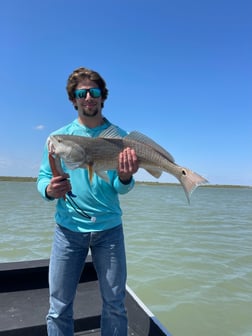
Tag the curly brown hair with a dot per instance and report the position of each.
(83, 73)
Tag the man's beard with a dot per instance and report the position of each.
(93, 114)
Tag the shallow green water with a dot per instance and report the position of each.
(191, 265)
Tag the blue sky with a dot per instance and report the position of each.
(177, 71)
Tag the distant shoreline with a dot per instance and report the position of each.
(17, 179)
(34, 179)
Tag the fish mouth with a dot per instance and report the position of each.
(50, 145)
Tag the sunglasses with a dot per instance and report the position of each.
(82, 93)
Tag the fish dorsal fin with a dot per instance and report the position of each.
(110, 132)
(139, 137)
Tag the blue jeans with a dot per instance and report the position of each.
(68, 257)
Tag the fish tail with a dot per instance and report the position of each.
(190, 181)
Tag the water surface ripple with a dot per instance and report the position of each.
(191, 265)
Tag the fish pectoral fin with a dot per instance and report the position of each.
(154, 172)
(72, 165)
(103, 175)
(100, 173)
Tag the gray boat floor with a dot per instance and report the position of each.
(26, 309)
(89, 333)
(97, 332)
(24, 303)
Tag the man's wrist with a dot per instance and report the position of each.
(46, 194)
(128, 181)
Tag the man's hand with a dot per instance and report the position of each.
(58, 186)
(127, 164)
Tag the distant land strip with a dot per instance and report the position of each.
(18, 179)
(34, 179)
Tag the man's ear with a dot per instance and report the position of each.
(74, 104)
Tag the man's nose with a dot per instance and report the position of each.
(88, 95)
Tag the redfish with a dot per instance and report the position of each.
(100, 154)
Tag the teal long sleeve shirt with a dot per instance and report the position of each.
(98, 199)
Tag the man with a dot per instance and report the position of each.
(75, 230)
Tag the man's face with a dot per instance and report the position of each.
(88, 105)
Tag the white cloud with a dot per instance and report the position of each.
(39, 127)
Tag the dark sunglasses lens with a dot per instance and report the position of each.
(80, 93)
(95, 92)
